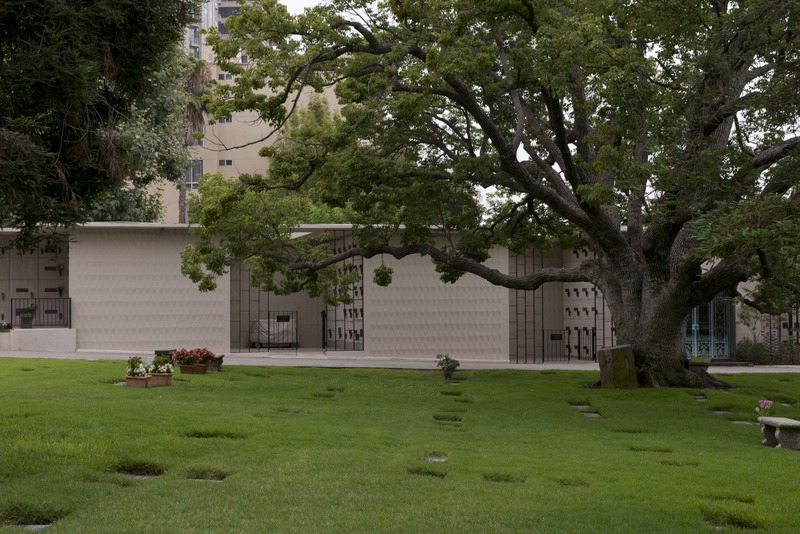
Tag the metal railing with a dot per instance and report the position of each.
(568, 344)
(554, 346)
(41, 313)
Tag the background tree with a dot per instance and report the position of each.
(82, 104)
(197, 87)
(126, 204)
(158, 133)
(662, 135)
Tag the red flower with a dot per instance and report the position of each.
(190, 357)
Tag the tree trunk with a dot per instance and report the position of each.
(653, 323)
(182, 204)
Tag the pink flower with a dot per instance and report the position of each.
(764, 406)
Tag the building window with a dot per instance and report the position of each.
(244, 59)
(226, 120)
(225, 12)
(224, 76)
(225, 162)
(193, 174)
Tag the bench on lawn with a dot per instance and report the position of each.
(780, 432)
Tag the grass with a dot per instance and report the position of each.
(309, 450)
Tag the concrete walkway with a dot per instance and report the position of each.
(309, 358)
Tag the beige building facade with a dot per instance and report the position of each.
(111, 287)
(125, 293)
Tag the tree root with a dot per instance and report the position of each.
(680, 377)
(712, 382)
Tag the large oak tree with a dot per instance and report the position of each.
(661, 134)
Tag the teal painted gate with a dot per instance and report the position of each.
(708, 329)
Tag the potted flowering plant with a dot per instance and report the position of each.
(136, 375)
(194, 361)
(5, 327)
(183, 357)
(161, 372)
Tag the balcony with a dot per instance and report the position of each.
(41, 313)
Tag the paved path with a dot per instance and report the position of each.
(321, 359)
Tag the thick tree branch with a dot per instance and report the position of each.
(771, 155)
(758, 305)
(508, 157)
(724, 274)
(558, 125)
(585, 273)
(580, 110)
(765, 159)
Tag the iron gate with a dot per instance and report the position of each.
(708, 331)
(568, 344)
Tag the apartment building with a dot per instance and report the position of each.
(227, 145)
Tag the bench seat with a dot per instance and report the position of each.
(780, 432)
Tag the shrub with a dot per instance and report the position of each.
(447, 364)
(758, 353)
(752, 351)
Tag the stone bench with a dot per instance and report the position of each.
(780, 432)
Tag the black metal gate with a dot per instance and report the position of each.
(554, 345)
(568, 344)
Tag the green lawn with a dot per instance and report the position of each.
(326, 450)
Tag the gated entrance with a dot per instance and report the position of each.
(708, 329)
(568, 344)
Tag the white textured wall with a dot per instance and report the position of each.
(128, 293)
(418, 316)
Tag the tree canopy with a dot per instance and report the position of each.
(662, 135)
(87, 101)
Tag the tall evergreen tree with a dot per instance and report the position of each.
(79, 96)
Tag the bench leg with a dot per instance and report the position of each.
(768, 431)
(788, 438)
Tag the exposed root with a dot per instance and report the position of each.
(680, 377)
(712, 382)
